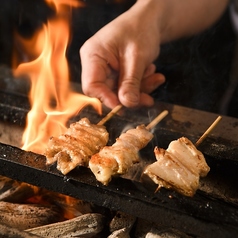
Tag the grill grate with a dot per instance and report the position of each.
(206, 214)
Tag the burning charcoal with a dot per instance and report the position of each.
(142, 228)
(145, 229)
(25, 216)
(87, 225)
(7, 231)
(122, 221)
(14, 191)
(155, 233)
(70, 207)
(122, 233)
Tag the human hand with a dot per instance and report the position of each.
(117, 62)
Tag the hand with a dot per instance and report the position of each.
(117, 61)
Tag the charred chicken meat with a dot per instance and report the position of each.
(179, 167)
(74, 148)
(118, 158)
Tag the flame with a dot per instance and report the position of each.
(52, 101)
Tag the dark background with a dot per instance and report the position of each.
(197, 69)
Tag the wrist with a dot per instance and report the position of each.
(151, 13)
(162, 13)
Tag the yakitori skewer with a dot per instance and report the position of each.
(208, 131)
(80, 141)
(118, 158)
(113, 112)
(155, 121)
(180, 166)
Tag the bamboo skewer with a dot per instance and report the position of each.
(201, 139)
(114, 111)
(119, 157)
(160, 117)
(206, 133)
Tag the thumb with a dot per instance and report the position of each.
(129, 83)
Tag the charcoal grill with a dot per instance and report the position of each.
(211, 212)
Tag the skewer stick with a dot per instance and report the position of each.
(114, 111)
(157, 120)
(200, 140)
(205, 134)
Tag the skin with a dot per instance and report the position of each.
(117, 62)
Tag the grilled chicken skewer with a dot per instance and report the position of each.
(118, 158)
(81, 140)
(180, 166)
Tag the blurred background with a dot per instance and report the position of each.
(199, 70)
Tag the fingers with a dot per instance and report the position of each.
(149, 70)
(150, 83)
(134, 90)
(97, 78)
(132, 69)
(133, 85)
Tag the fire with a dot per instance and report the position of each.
(52, 101)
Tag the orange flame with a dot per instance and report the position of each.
(52, 101)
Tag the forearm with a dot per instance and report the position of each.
(117, 61)
(179, 18)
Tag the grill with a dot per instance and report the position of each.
(212, 211)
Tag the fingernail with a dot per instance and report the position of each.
(132, 97)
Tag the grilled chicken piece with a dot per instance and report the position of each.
(179, 167)
(74, 148)
(189, 156)
(118, 158)
(170, 173)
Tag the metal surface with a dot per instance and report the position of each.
(200, 215)
(213, 211)
(13, 108)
